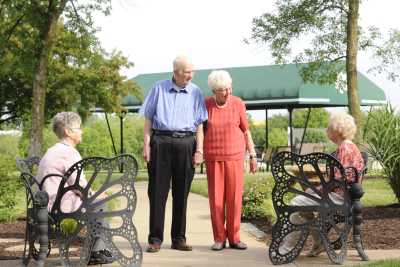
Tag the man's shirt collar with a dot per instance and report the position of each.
(178, 89)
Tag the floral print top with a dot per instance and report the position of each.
(349, 155)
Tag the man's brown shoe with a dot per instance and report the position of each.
(153, 248)
(181, 245)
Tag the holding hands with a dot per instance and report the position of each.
(198, 157)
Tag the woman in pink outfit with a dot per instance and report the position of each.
(226, 139)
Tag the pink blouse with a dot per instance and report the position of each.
(57, 160)
(224, 138)
(349, 155)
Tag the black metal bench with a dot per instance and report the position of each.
(116, 177)
(332, 220)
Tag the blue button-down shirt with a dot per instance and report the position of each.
(171, 108)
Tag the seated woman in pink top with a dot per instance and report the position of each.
(341, 131)
(60, 157)
(57, 160)
(227, 136)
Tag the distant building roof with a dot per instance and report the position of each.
(272, 87)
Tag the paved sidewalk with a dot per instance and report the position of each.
(199, 235)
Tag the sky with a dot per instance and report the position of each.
(151, 33)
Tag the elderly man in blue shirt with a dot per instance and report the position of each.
(174, 112)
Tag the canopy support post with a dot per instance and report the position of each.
(109, 131)
(266, 129)
(305, 129)
(121, 131)
(290, 109)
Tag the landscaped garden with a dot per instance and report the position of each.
(381, 212)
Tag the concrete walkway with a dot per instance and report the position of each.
(199, 235)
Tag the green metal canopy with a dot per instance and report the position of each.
(272, 87)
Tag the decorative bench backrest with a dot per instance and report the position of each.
(119, 186)
(106, 188)
(290, 169)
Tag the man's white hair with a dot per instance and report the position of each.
(180, 62)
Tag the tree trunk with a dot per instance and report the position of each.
(351, 65)
(39, 78)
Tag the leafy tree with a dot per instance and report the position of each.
(258, 134)
(332, 26)
(278, 137)
(52, 56)
(278, 121)
(318, 118)
(388, 54)
(315, 136)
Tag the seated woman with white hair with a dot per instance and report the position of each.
(57, 160)
(341, 131)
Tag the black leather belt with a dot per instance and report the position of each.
(175, 134)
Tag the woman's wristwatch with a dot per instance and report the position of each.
(253, 155)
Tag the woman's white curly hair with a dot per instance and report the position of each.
(343, 124)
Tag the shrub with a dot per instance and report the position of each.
(257, 202)
(49, 139)
(277, 137)
(8, 153)
(315, 136)
(8, 201)
(7, 166)
(383, 142)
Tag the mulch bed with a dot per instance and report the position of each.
(16, 230)
(380, 228)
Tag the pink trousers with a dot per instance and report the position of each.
(225, 189)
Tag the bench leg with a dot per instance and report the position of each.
(41, 200)
(356, 192)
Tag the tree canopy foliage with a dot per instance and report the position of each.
(278, 128)
(52, 60)
(331, 37)
(318, 118)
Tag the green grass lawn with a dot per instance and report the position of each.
(377, 193)
(383, 263)
(199, 186)
(377, 190)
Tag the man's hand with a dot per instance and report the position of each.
(198, 158)
(146, 153)
(146, 140)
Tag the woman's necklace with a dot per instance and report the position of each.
(223, 105)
